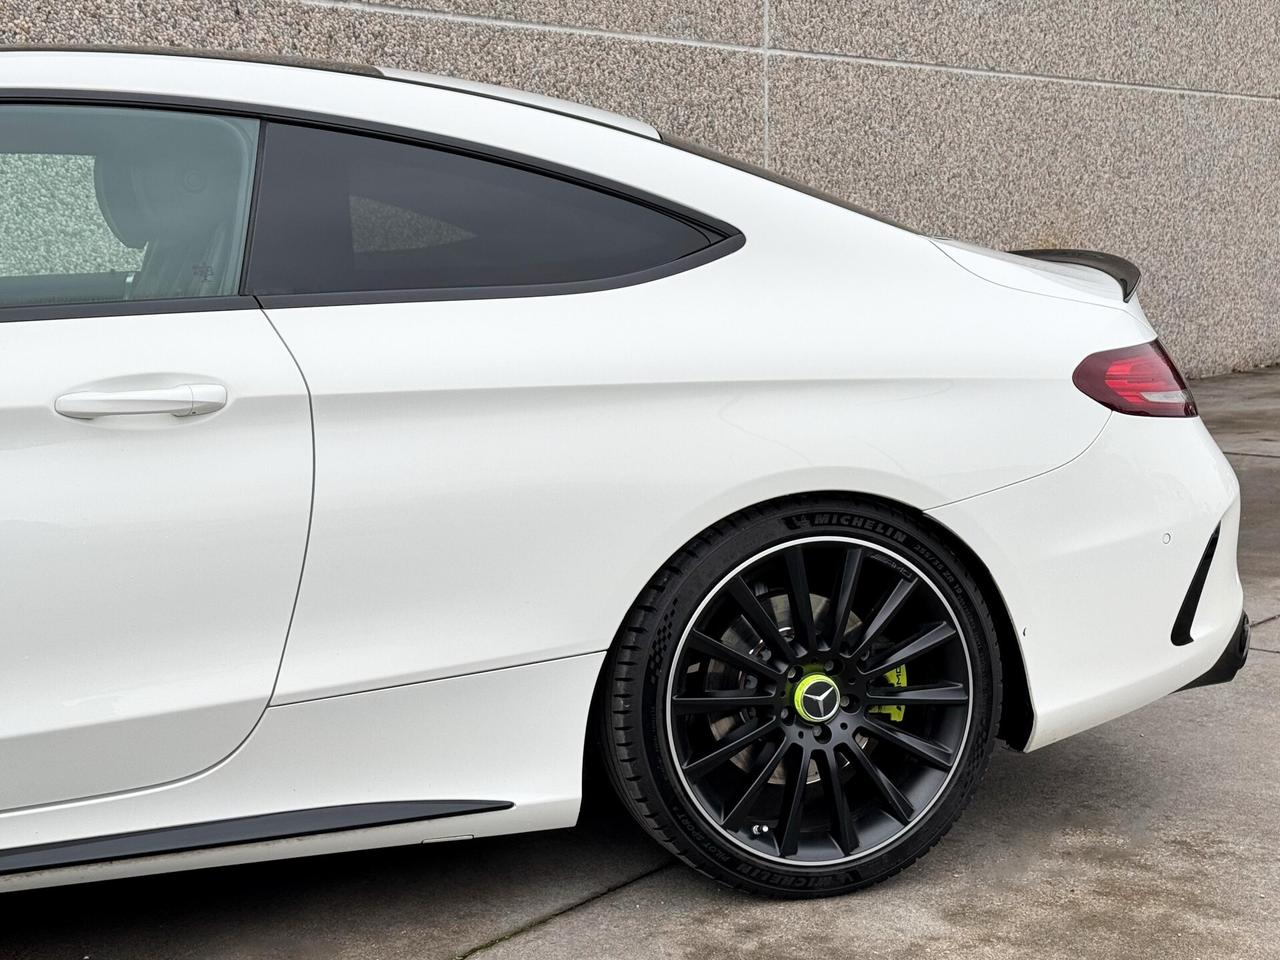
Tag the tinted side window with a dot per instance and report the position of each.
(106, 204)
(341, 212)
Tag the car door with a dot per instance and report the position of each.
(474, 452)
(155, 452)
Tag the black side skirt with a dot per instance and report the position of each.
(241, 830)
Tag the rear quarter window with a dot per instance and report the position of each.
(342, 212)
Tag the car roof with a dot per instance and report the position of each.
(491, 91)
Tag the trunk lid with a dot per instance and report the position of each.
(1032, 273)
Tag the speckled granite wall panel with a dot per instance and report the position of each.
(1195, 44)
(727, 21)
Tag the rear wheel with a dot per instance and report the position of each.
(804, 698)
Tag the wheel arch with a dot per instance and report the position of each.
(1017, 714)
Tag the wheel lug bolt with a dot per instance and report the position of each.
(793, 673)
(786, 714)
(844, 701)
(829, 666)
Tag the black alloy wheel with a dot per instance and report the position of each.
(804, 697)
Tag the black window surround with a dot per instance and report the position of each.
(773, 176)
(731, 239)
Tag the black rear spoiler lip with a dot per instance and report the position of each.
(1124, 272)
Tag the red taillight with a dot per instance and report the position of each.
(1139, 380)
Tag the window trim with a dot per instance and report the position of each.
(730, 239)
(124, 308)
(764, 173)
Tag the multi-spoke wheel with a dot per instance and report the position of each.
(804, 698)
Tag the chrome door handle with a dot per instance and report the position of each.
(185, 400)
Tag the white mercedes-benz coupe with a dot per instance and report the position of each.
(373, 444)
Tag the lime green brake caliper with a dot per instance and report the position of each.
(897, 677)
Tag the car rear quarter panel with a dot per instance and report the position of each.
(559, 449)
(563, 447)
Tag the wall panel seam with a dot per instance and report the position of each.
(764, 67)
(769, 52)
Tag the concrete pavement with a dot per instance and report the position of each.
(1154, 836)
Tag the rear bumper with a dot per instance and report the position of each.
(1228, 664)
(1096, 561)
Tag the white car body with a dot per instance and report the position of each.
(217, 620)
